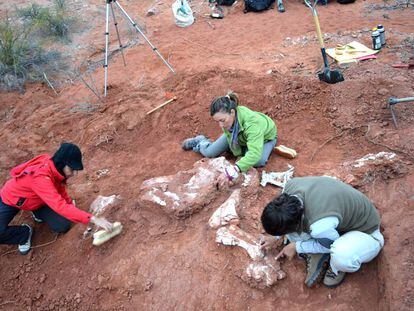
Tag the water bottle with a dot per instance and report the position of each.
(381, 31)
(376, 40)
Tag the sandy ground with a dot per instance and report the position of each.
(160, 263)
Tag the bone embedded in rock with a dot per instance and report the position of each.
(251, 178)
(234, 236)
(100, 204)
(379, 157)
(202, 177)
(186, 192)
(262, 273)
(227, 211)
(357, 173)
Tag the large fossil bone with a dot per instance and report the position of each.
(186, 192)
(226, 213)
(234, 236)
(265, 270)
(99, 205)
(264, 273)
(384, 165)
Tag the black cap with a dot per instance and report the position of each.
(69, 154)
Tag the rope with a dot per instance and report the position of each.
(36, 246)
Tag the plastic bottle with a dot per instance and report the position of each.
(381, 30)
(376, 40)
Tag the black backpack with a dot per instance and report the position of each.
(345, 1)
(257, 5)
(225, 2)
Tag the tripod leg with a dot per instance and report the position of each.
(117, 33)
(106, 48)
(142, 34)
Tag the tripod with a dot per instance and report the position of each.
(134, 24)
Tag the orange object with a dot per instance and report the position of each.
(169, 95)
(285, 152)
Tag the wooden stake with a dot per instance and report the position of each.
(162, 105)
(50, 84)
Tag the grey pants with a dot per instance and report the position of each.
(211, 149)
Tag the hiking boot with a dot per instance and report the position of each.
(38, 220)
(25, 248)
(333, 280)
(316, 265)
(190, 143)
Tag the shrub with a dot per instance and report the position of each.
(23, 59)
(50, 22)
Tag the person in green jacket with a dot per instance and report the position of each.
(248, 134)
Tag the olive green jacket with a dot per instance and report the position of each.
(324, 197)
(255, 128)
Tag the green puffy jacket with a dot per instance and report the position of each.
(255, 128)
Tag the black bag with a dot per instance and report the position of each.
(257, 5)
(225, 2)
(345, 1)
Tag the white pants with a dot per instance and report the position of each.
(350, 250)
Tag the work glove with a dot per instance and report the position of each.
(102, 223)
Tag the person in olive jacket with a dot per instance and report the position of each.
(248, 134)
(335, 227)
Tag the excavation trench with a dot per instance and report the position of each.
(161, 262)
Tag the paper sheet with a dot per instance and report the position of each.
(347, 56)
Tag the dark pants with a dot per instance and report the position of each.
(20, 234)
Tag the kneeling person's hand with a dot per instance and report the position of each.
(288, 251)
(102, 223)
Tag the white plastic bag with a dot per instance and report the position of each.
(182, 13)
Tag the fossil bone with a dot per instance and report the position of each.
(186, 192)
(99, 205)
(226, 213)
(234, 236)
(266, 272)
(277, 178)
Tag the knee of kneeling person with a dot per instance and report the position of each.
(261, 163)
(62, 228)
(208, 154)
(344, 261)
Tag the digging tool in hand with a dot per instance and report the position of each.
(327, 75)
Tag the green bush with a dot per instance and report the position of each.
(22, 59)
(49, 22)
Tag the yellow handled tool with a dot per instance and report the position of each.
(327, 75)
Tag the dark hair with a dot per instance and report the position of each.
(224, 103)
(282, 215)
(68, 154)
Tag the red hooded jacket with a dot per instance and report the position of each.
(37, 183)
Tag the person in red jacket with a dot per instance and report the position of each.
(39, 186)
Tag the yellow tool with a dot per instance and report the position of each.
(102, 236)
(341, 49)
